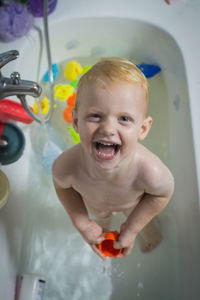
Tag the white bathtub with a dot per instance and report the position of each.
(35, 232)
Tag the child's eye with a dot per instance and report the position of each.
(124, 119)
(94, 117)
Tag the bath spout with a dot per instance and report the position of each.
(15, 86)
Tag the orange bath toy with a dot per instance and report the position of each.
(107, 246)
(71, 100)
(68, 110)
(67, 114)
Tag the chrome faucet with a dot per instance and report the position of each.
(15, 85)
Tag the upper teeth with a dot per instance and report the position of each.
(106, 144)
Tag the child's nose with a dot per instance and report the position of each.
(107, 127)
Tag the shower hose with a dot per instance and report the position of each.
(47, 43)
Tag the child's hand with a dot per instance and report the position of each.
(94, 234)
(126, 241)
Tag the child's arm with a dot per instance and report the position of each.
(75, 207)
(152, 203)
(62, 173)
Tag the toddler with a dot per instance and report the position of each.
(110, 171)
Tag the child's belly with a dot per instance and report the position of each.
(104, 210)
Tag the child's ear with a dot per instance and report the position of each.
(146, 126)
(75, 120)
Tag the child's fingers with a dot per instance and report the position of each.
(126, 249)
(99, 240)
(96, 250)
(96, 240)
(125, 252)
(117, 245)
(93, 238)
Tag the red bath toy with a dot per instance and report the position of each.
(11, 110)
(107, 246)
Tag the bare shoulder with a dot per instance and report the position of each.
(154, 174)
(65, 166)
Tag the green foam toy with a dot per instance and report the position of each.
(74, 134)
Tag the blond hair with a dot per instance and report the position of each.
(113, 69)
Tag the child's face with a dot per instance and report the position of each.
(110, 120)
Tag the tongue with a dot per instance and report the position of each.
(106, 149)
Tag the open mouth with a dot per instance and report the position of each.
(106, 150)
